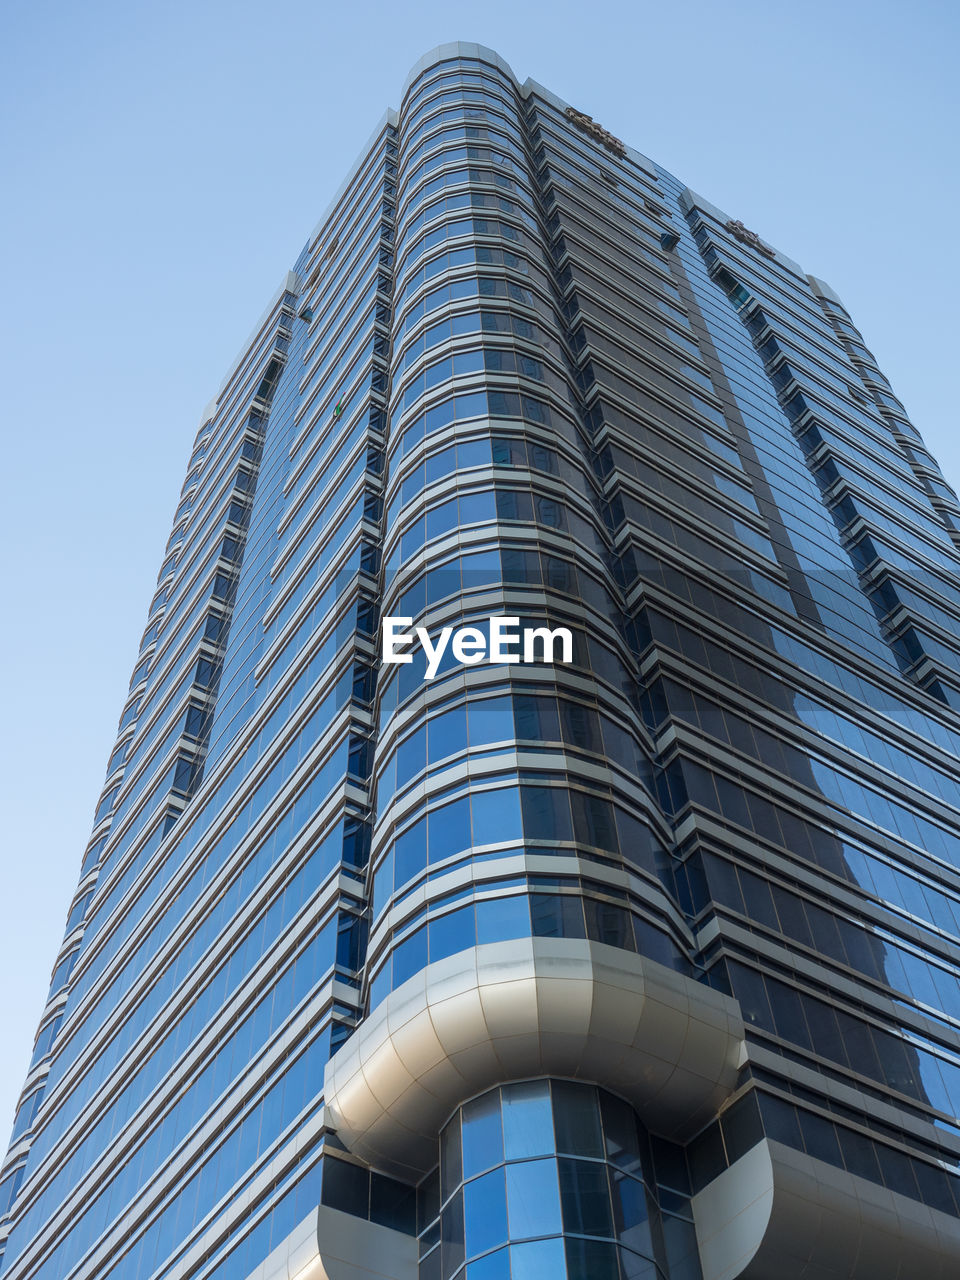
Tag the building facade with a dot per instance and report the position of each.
(639, 962)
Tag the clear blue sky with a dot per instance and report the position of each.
(162, 166)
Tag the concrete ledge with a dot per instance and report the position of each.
(331, 1245)
(779, 1212)
(521, 1009)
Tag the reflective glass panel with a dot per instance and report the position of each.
(527, 1120)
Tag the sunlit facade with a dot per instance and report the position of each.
(638, 964)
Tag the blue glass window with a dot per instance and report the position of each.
(411, 852)
(533, 1195)
(527, 1120)
(592, 1260)
(448, 734)
(577, 1120)
(496, 816)
(449, 829)
(410, 957)
(482, 1134)
(503, 918)
(493, 1266)
(585, 1198)
(485, 1212)
(451, 933)
(491, 720)
(538, 1260)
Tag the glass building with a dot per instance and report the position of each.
(644, 964)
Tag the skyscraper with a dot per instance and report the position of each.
(532, 843)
